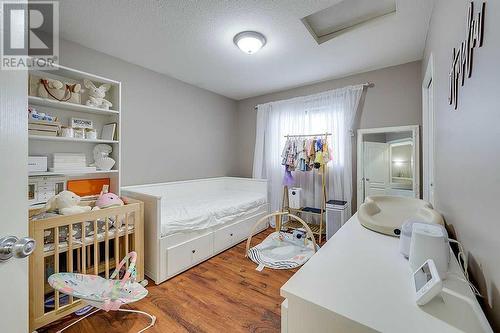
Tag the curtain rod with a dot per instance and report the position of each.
(366, 84)
(306, 135)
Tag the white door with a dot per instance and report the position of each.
(13, 197)
(428, 135)
(376, 168)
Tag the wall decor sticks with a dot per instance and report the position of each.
(463, 56)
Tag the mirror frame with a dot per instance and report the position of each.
(415, 129)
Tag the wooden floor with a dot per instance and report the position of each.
(222, 294)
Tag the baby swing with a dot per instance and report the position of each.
(282, 250)
(104, 294)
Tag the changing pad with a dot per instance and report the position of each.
(386, 214)
(205, 210)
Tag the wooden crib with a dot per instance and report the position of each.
(101, 238)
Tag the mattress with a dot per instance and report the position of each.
(208, 209)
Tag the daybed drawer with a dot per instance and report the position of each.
(230, 235)
(187, 254)
(225, 237)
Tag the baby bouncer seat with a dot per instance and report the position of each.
(104, 294)
(281, 250)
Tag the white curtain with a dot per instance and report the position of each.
(331, 111)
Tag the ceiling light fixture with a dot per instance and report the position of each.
(249, 41)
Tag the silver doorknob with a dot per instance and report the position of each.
(12, 246)
(24, 247)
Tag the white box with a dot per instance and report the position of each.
(69, 161)
(295, 197)
(37, 163)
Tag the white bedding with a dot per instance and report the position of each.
(205, 210)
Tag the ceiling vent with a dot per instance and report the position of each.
(346, 16)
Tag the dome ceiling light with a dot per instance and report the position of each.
(249, 41)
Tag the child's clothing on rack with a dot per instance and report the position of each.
(304, 154)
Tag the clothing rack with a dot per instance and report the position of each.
(320, 229)
(307, 135)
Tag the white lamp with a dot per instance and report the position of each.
(249, 41)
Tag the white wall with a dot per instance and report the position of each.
(171, 130)
(467, 143)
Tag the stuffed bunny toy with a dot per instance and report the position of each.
(96, 95)
(67, 203)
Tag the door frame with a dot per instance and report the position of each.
(360, 156)
(428, 133)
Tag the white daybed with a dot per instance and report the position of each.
(187, 222)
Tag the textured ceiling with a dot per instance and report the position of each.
(193, 40)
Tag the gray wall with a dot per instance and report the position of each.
(171, 130)
(394, 100)
(467, 143)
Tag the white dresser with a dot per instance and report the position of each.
(359, 282)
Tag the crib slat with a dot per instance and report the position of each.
(37, 272)
(89, 256)
(96, 250)
(69, 254)
(84, 252)
(106, 248)
(78, 258)
(126, 236)
(56, 265)
(117, 241)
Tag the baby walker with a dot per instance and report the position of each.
(282, 250)
(104, 294)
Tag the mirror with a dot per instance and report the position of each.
(388, 162)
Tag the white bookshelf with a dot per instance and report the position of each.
(40, 145)
(71, 173)
(64, 139)
(39, 101)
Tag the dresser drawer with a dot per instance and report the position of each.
(188, 254)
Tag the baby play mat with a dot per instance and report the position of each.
(281, 250)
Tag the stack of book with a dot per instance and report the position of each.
(43, 127)
(70, 163)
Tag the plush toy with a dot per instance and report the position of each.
(49, 83)
(96, 95)
(66, 203)
(58, 90)
(107, 200)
